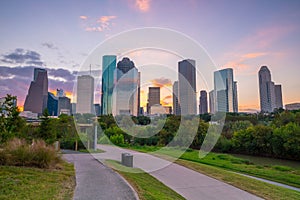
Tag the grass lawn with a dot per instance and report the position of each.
(35, 183)
(91, 151)
(147, 187)
(278, 173)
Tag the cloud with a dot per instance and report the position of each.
(239, 62)
(49, 45)
(161, 82)
(166, 101)
(101, 24)
(22, 56)
(83, 17)
(142, 5)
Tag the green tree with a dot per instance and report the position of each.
(11, 124)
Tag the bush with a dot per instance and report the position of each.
(18, 152)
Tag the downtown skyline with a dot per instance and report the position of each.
(240, 35)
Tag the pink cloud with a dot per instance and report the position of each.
(83, 17)
(143, 5)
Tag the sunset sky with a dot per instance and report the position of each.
(60, 34)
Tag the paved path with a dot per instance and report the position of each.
(188, 183)
(95, 181)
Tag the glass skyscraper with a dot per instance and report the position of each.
(270, 94)
(225, 91)
(108, 70)
(126, 89)
(187, 87)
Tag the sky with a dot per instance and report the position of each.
(60, 35)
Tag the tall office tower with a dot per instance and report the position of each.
(176, 106)
(225, 92)
(235, 98)
(153, 98)
(127, 83)
(266, 90)
(139, 95)
(64, 106)
(203, 102)
(187, 87)
(37, 97)
(97, 109)
(212, 102)
(85, 94)
(73, 108)
(278, 96)
(52, 104)
(108, 70)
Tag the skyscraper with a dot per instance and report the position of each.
(212, 102)
(85, 94)
(203, 102)
(37, 97)
(153, 98)
(176, 106)
(187, 87)
(235, 98)
(225, 91)
(270, 95)
(52, 104)
(127, 83)
(64, 105)
(278, 96)
(108, 70)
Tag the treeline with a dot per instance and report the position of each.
(273, 135)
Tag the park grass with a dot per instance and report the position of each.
(147, 187)
(91, 151)
(278, 173)
(35, 183)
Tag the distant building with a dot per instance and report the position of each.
(37, 97)
(153, 97)
(60, 93)
(64, 105)
(212, 102)
(73, 108)
(176, 106)
(292, 106)
(187, 87)
(270, 95)
(52, 104)
(126, 88)
(168, 109)
(85, 94)
(225, 91)
(157, 109)
(203, 102)
(28, 115)
(278, 96)
(97, 109)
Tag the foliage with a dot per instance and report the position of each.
(18, 152)
(11, 124)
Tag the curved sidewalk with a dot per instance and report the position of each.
(95, 181)
(188, 183)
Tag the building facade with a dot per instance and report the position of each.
(225, 91)
(108, 75)
(153, 98)
(52, 104)
(37, 97)
(64, 105)
(85, 94)
(212, 102)
(270, 95)
(203, 102)
(126, 92)
(176, 106)
(187, 87)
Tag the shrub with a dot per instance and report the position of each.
(18, 152)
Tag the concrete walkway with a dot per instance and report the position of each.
(188, 183)
(95, 181)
